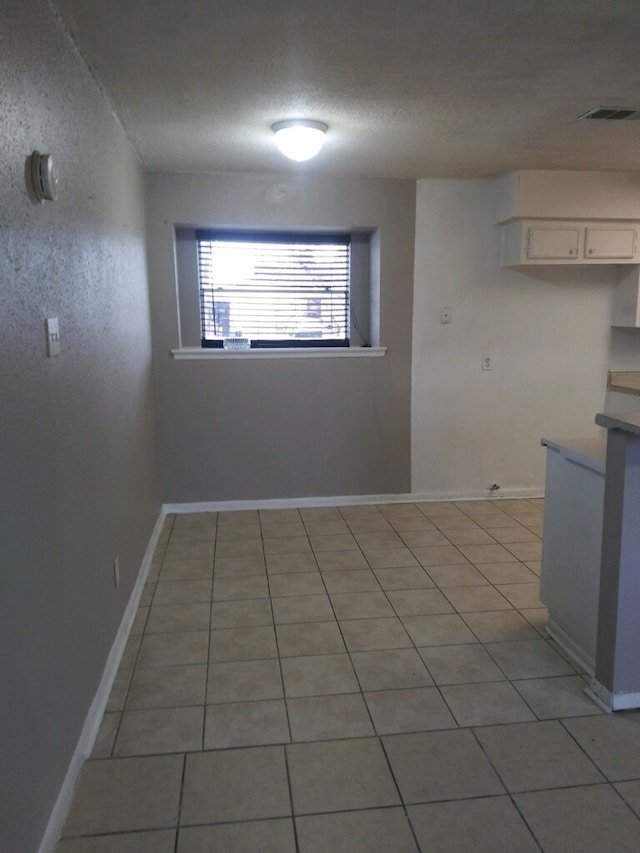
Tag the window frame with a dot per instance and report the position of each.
(289, 236)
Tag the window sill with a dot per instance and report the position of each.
(198, 353)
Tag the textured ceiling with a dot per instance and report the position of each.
(409, 88)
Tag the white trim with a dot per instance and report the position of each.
(611, 701)
(282, 503)
(515, 493)
(340, 500)
(95, 713)
(202, 353)
(570, 646)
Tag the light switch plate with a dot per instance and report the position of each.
(53, 337)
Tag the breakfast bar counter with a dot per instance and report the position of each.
(590, 576)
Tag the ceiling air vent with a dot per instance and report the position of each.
(613, 113)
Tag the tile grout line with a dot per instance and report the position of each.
(210, 638)
(282, 683)
(180, 803)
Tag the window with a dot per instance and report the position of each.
(274, 289)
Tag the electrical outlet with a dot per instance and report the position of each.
(116, 572)
(445, 314)
(487, 362)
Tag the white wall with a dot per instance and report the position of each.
(547, 333)
(78, 447)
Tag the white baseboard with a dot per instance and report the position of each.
(282, 503)
(612, 701)
(515, 493)
(575, 651)
(348, 500)
(94, 716)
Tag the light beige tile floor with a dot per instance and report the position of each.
(342, 680)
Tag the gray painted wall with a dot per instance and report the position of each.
(78, 447)
(268, 428)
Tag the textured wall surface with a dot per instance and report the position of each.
(268, 428)
(78, 450)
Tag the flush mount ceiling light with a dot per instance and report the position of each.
(299, 139)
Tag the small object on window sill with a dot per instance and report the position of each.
(236, 343)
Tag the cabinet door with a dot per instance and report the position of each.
(610, 243)
(553, 243)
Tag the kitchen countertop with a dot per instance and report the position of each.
(626, 422)
(627, 381)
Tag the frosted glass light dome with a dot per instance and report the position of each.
(299, 139)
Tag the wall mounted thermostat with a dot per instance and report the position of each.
(44, 178)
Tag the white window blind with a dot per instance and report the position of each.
(276, 289)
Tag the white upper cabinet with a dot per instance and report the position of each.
(552, 243)
(528, 242)
(610, 242)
